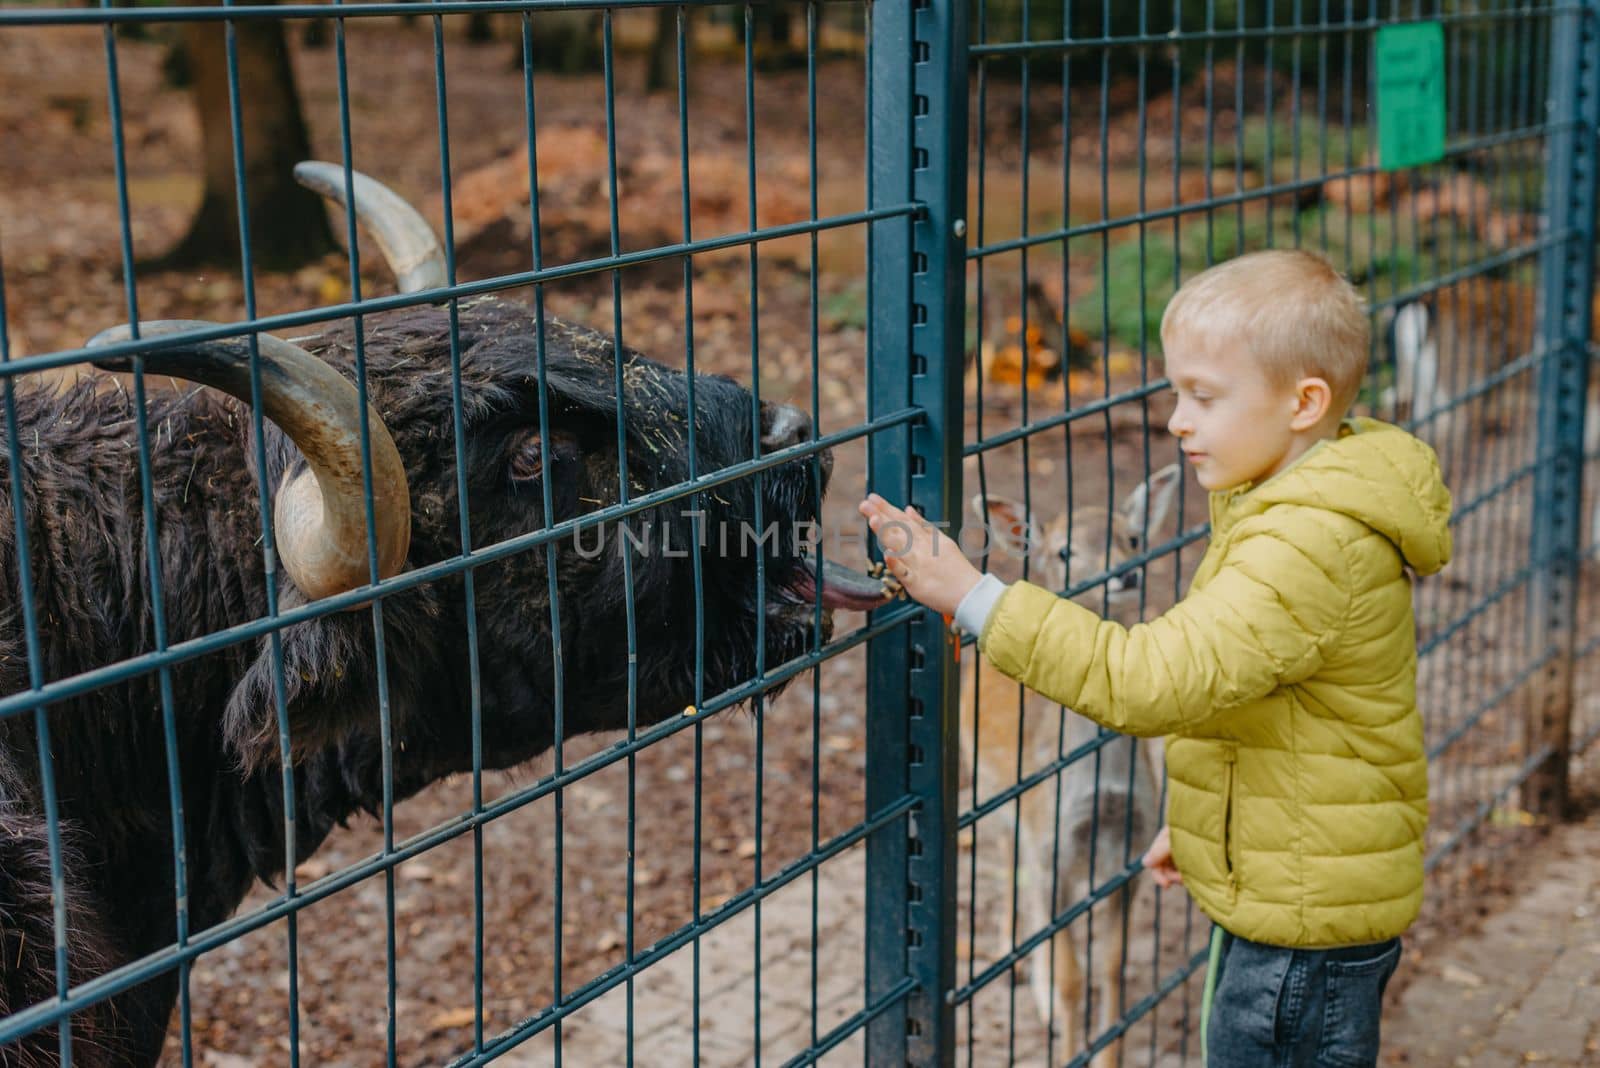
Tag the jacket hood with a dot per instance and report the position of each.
(1373, 472)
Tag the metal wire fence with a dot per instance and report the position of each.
(1252, 126)
(912, 246)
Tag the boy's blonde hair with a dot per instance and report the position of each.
(1293, 312)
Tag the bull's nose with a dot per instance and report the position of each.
(783, 425)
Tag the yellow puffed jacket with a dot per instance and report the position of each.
(1286, 680)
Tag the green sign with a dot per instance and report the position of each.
(1410, 62)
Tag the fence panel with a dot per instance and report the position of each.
(1566, 326)
(669, 878)
(940, 277)
(918, 54)
(1117, 151)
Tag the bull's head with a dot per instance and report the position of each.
(531, 458)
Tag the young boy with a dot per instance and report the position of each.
(1285, 680)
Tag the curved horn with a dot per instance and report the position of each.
(320, 516)
(405, 237)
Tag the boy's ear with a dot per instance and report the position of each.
(1007, 521)
(1148, 503)
(1313, 400)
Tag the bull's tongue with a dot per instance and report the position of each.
(843, 587)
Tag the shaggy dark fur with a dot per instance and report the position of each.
(91, 580)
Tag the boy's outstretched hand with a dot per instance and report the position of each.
(926, 561)
(1158, 860)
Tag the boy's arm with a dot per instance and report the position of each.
(1261, 622)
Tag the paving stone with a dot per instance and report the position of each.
(1526, 982)
(1544, 1039)
(1554, 998)
(1579, 964)
(1523, 988)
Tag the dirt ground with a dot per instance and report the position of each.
(762, 787)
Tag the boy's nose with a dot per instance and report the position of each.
(1178, 424)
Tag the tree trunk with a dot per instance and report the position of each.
(316, 34)
(564, 41)
(480, 27)
(288, 224)
(772, 47)
(662, 65)
(128, 31)
(778, 26)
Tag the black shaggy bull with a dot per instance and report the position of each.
(90, 575)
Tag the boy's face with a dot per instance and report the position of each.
(1232, 421)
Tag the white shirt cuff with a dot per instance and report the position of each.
(973, 611)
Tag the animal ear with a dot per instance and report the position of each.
(1007, 521)
(1148, 503)
(1416, 355)
(330, 681)
(1412, 326)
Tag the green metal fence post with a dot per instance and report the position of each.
(918, 69)
(1565, 322)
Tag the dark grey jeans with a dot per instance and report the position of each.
(1297, 1008)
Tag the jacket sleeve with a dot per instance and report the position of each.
(1263, 621)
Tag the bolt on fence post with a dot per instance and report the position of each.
(918, 135)
(1565, 320)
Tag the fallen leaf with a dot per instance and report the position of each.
(308, 870)
(450, 1019)
(218, 1059)
(1460, 976)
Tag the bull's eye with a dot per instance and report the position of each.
(527, 458)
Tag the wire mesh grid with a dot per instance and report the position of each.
(627, 879)
(803, 883)
(1117, 151)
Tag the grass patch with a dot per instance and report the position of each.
(1379, 254)
(845, 306)
(1280, 136)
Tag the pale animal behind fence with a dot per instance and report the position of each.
(1440, 343)
(1076, 831)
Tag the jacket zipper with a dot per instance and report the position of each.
(1230, 776)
